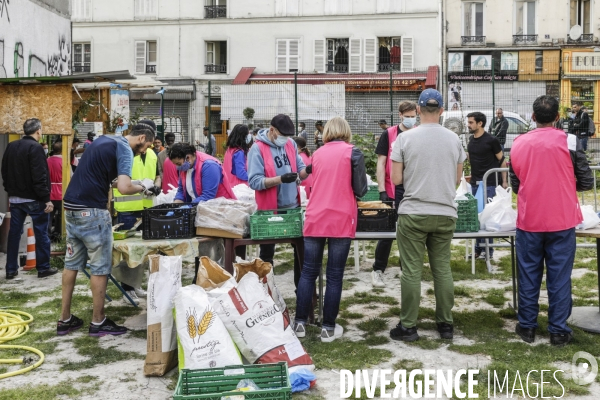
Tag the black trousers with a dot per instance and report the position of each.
(267, 252)
(384, 247)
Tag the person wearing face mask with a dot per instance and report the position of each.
(407, 110)
(45, 147)
(305, 155)
(201, 176)
(274, 167)
(234, 162)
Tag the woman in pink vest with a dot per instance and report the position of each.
(305, 155)
(55, 168)
(201, 177)
(234, 163)
(339, 177)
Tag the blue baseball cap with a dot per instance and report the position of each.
(429, 96)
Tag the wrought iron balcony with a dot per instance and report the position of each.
(337, 68)
(473, 40)
(150, 69)
(80, 68)
(386, 67)
(525, 39)
(584, 38)
(215, 68)
(215, 11)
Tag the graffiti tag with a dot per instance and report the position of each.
(4, 7)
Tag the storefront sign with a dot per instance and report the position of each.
(119, 108)
(347, 82)
(585, 61)
(483, 78)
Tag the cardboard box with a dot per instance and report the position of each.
(216, 233)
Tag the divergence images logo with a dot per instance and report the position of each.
(584, 373)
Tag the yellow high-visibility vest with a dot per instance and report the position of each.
(140, 171)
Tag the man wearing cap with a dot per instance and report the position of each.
(210, 148)
(274, 167)
(319, 134)
(428, 161)
(90, 140)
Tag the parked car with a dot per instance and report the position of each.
(456, 121)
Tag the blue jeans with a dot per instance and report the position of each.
(89, 237)
(584, 141)
(40, 219)
(557, 251)
(480, 243)
(313, 261)
(128, 219)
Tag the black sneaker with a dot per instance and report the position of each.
(49, 272)
(404, 334)
(477, 255)
(108, 327)
(561, 339)
(446, 330)
(11, 275)
(527, 334)
(62, 328)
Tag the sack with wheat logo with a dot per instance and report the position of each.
(202, 340)
(163, 283)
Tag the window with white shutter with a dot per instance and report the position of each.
(370, 55)
(287, 8)
(319, 55)
(288, 54)
(338, 7)
(146, 9)
(407, 57)
(140, 57)
(81, 10)
(355, 55)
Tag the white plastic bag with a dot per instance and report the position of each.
(165, 198)
(590, 218)
(498, 215)
(202, 339)
(462, 189)
(303, 198)
(163, 283)
(244, 193)
(224, 214)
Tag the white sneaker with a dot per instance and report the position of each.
(299, 329)
(141, 293)
(330, 335)
(134, 297)
(377, 279)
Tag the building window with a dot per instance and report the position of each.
(539, 61)
(215, 9)
(473, 19)
(525, 18)
(82, 10)
(338, 7)
(580, 14)
(389, 54)
(82, 57)
(146, 9)
(216, 58)
(287, 55)
(146, 57)
(287, 8)
(337, 55)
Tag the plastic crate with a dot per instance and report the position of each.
(216, 383)
(372, 194)
(377, 219)
(276, 224)
(158, 224)
(468, 218)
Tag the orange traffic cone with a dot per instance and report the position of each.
(30, 264)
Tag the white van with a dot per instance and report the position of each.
(456, 121)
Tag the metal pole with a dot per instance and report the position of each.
(208, 116)
(493, 94)
(296, 98)
(162, 113)
(391, 98)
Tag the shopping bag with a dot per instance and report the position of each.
(462, 189)
(499, 215)
(590, 218)
(480, 197)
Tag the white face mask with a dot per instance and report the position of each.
(281, 140)
(46, 151)
(248, 138)
(409, 122)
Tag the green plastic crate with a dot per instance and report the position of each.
(276, 224)
(215, 383)
(468, 218)
(372, 194)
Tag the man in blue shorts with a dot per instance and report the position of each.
(106, 162)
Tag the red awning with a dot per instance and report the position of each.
(432, 77)
(243, 75)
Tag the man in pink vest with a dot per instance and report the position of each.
(547, 168)
(274, 169)
(407, 110)
(55, 169)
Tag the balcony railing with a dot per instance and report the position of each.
(215, 68)
(215, 11)
(81, 68)
(386, 67)
(473, 40)
(150, 69)
(525, 39)
(584, 38)
(337, 68)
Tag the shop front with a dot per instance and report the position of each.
(581, 80)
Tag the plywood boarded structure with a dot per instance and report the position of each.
(51, 104)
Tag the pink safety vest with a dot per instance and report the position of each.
(308, 182)
(267, 199)
(228, 167)
(224, 189)
(332, 210)
(55, 169)
(390, 189)
(547, 199)
(169, 175)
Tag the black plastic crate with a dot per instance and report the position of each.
(377, 219)
(169, 221)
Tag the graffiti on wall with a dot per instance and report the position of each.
(4, 9)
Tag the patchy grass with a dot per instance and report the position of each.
(426, 343)
(391, 312)
(373, 325)
(495, 297)
(366, 298)
(344, 354)
(90, 347)
(376, 340)
(462, 291)
(347, 285)
(351, 315)
(140, 334)
(47, 392)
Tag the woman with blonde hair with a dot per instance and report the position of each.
(338, 170)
